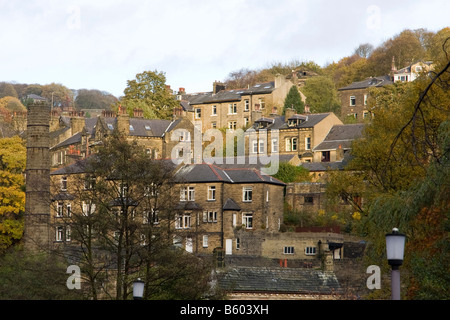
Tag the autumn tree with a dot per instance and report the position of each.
(12, 193)
(402, 164)
(149, 92)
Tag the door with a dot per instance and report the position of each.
(228, 246)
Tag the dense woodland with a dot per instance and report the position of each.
(400, 167)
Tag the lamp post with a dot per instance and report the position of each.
(138, 289)
(395, 247)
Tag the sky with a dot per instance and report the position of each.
(102, 44)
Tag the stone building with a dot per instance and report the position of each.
(237, 108)
(354, 97)
(214, 204)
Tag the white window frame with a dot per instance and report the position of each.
(198, 113)
(288, 250)
(294, 145)
(214, 110)
(59, 234)
(205, 241)
(60, 209)
(191, 193)
(275, 145)
(247, 194)
(211, 193)
(310, 251)
(247, 220)
(308, 143)
(246, 105)
(183, 220)
(288, 144)
(232, 108)
(232, 125)
(63, 183)
(352, 101)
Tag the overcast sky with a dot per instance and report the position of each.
(92, 44)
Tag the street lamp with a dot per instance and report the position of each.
(395, 247)
(138, 289)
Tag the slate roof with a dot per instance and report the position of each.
(149, 127)
(369, 82)
(231, 205)
(325, 166)
(195, 173)
(279, 280)
(229, 95)
(341, 135)
(310, 122)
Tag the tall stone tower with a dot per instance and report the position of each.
(37, 199)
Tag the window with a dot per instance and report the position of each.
(69, 209)
(255, 146)
(88, 208)
(205, 241)
(232, 108)
(209, 216)
(308, 200)
(246, 105)
(64, 184)
(68, 238)
(183, 193)
(151, 216)
(352, 100)
(183, 221)
(59, 209)
(214, 110)
(185, 136)
(288, 250)
(262, 103)
(261, 146)
(294, 144)
(274, 145)
(131, 127)
(213, 125)
(309, 251)
(211, 193)
(365, 99)
(191, 194)
(123, 190)
(308, 143)
(110, 126)
(325, 156)
(246, 121)
(198, 113)
(232, 125)
(238, 243)
(89, 183)
(59, 233)
(267, 196)
(247, 220)
(247, 194)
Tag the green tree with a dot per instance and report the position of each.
(293, 100)
(27, 276)
(12, 195)
(321, 95)
(290, 173)
(149, 93)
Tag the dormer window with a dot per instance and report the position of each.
(296, 120)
